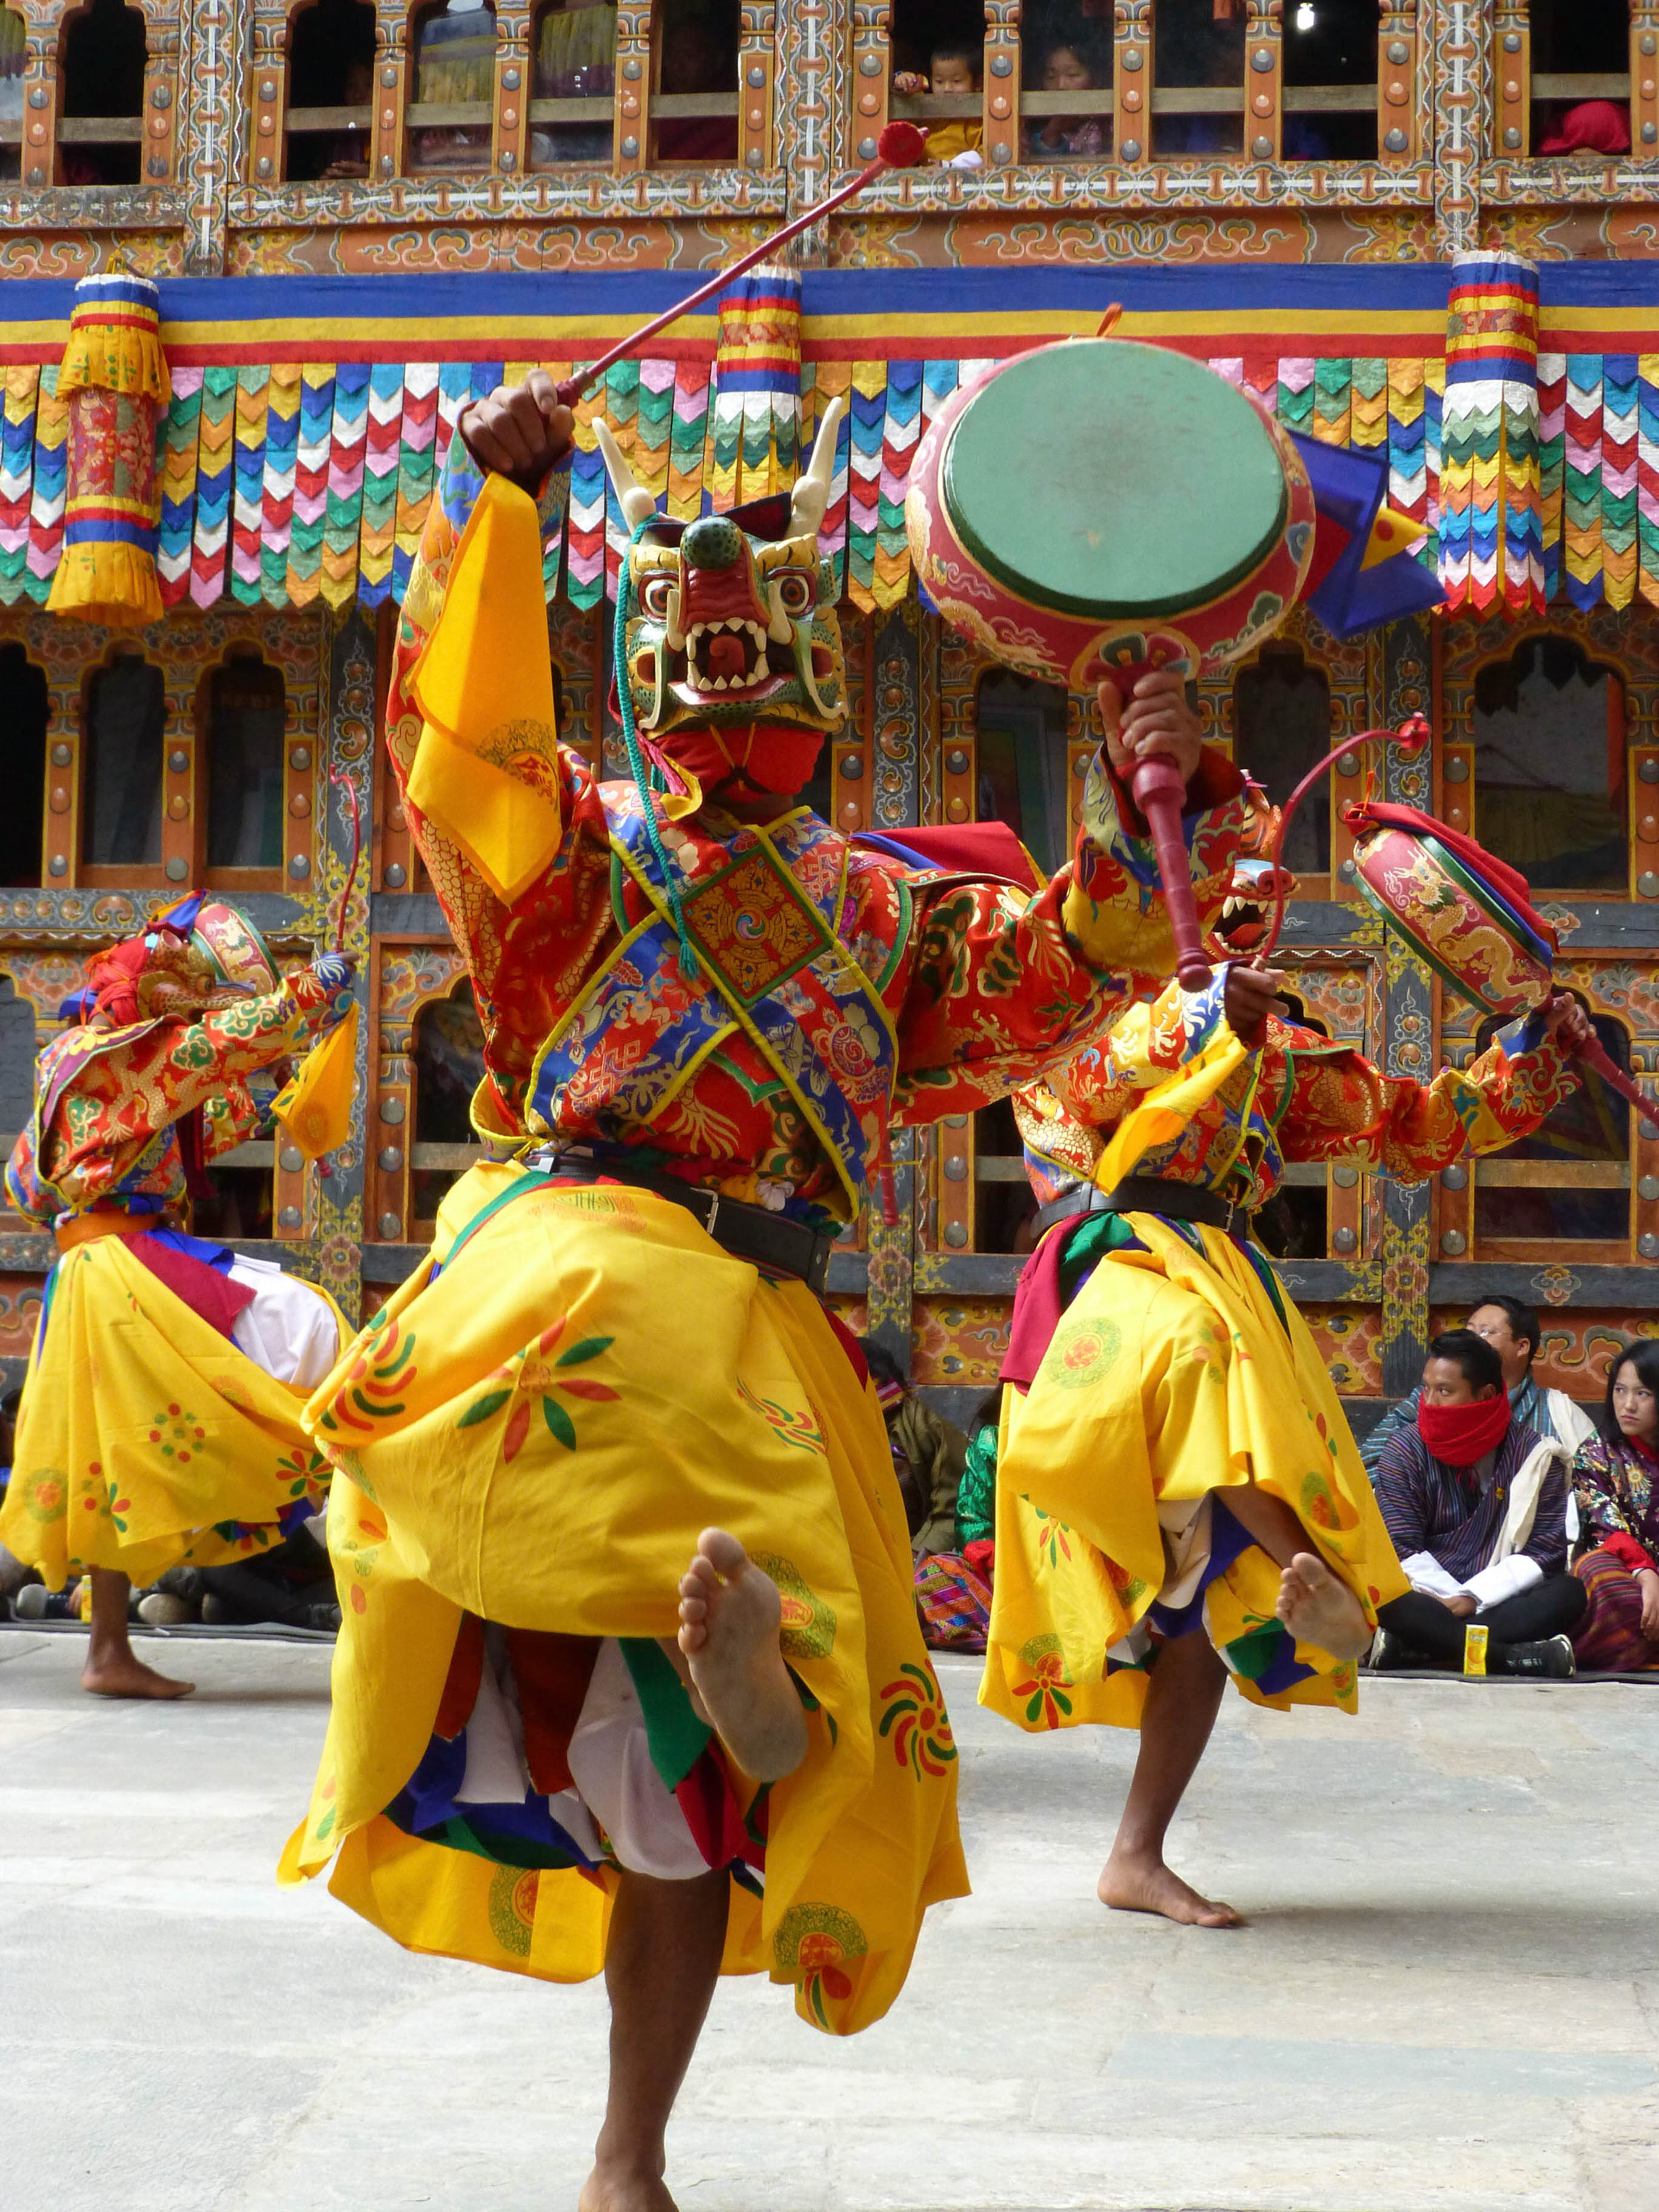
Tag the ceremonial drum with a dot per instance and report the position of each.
(1452, 916)
(1096, 505)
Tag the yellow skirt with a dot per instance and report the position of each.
(536, 1435)
(146, 1438)
(1170, 1377)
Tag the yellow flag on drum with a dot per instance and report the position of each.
(315, 1108)
(485, 772)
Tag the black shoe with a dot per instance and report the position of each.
(1390, 1655)
(321, 1616)
(1552, 1661)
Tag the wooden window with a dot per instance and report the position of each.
(22, 767)
(1282, 727)
(244, 709)
(453, 91)
(1329, 99)
(1580, 52)
(100, 122)
(1198, 79)
(331, 90)
(16, 1063)
(243, 1204)
(121, 816)
(1564, 1192)
(448, 1064)
(1549, 766)
(574, 82)
(1066, 77)
(1023, 726)
(694, 76)
(14, 60)
(1025, 780)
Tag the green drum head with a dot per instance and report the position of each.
(1106, 479)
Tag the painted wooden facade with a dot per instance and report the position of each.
(323, 332)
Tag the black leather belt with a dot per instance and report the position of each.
(747, 1232)
(1175, 1201)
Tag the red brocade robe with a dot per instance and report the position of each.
(980, 984)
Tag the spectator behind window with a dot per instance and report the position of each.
(1069, 65)
(1590, 131)
(955, 143)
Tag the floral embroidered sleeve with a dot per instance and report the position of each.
(1000, 987)
(122, 1104)
(1341, 1107)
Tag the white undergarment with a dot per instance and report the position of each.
(289, 1329)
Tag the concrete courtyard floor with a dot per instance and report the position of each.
(1447, 2000)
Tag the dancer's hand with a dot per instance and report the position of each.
(334, 970)
(1569, 1025)
(1154, 722)
(520, 431)
(1249, 996)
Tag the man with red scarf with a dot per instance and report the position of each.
(1476, 1505)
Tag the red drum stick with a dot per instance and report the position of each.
(900, 146)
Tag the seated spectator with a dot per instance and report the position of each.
(1511, 1328)
(958, 143)
(976, 1494)
(1475, 1503)
(697, 57)
(928, 1453)
(1590, 131)
(1069, 66)
(1617, 1486)
(290, 1586)
(576, 59)
(13, 1575)
(454, 66)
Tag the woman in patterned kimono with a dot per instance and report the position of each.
(1616, 1484)
(1179, 1498)
(160, 1414)
(630, 1677)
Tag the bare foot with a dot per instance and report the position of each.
(122, 1674)
(1318, 1609)
(729, 1618)
(618, 2189)
(1129, 1884)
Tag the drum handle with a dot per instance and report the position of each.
(1159, 790)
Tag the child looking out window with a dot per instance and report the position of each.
(955, 142)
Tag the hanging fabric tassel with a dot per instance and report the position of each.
(114, 376)
(315, 1108)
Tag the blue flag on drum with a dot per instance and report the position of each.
(1365, 569)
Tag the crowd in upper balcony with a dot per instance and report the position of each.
(1189, 82)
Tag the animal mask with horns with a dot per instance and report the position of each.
(731, 620)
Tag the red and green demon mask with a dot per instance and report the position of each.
(731, 645)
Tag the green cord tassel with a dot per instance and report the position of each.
(647, 780)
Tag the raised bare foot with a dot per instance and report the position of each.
(729, 1619)
(123, 1674)
(1129, 1884)
(1317, 1608)
(616, 2188)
